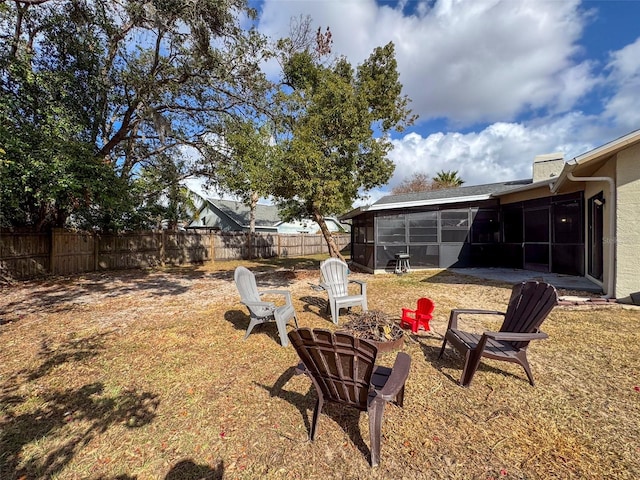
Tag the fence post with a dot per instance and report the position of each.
(96, 251)
(53, 258)
(162, 246)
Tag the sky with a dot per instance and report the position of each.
(494, 82)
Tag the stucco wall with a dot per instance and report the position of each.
(591, 189)
(627, 238)
(541, 192)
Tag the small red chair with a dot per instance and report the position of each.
(418, 317)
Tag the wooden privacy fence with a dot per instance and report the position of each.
(233, 245)
(27, 255)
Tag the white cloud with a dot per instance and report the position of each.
(510, 69)
(624, 105)
(499, 152)
(466, 60)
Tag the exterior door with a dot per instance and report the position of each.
(536, 239)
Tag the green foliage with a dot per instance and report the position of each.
(334, 131)
(447, 179)
(97, 95)
(48, 169)
(240, 162)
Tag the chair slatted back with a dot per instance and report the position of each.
(529, 306)
(334, 275)
(339, 364)
(425, 306)
(246, 284)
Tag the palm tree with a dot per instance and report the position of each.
(448, 179)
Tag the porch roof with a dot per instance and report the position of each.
(473, 193)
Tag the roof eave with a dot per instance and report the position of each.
(429, 202)
(532, 186)
(354, 213)
(596, 154)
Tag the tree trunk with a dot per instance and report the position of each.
(334, 251)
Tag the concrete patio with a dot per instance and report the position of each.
(512, 275)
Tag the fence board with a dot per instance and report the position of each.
(71, 252)
(27, 255)
(24, 255)
(130, 250)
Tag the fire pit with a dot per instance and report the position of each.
(378, 328)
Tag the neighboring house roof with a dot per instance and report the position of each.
(310, 226)
(266, 215)
(236, 215)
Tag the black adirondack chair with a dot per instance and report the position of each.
(529, 305)
(342, 369)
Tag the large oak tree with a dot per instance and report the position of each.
(93, 94)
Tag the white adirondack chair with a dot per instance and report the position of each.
(261, 311)
(334, 280)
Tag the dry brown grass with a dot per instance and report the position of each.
(145, 375)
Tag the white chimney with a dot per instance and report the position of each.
(547, 166)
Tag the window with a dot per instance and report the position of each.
(567, 222)
(454, 225)
(486, 227)
(536, 225)
(424, 255)
(391, 229)
(512, 224)
(423, 227)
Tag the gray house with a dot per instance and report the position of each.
(578, 217)
(231, 216)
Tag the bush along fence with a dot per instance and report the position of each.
(60, 252)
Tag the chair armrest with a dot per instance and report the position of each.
(397, 379)
(453, 317)
(363, 286)
(516, 337)
(259, 304)
(286, 294)
(407, 310)
(329, 291)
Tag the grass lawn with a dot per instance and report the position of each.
(145, 375)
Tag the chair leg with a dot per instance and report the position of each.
(472, 360)
(282, 331)
(425, 325)
(335, 313)
(252, 323)
(522, 357)
(376, 409)
(400, 397)
(316, 414)
(444, 344)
